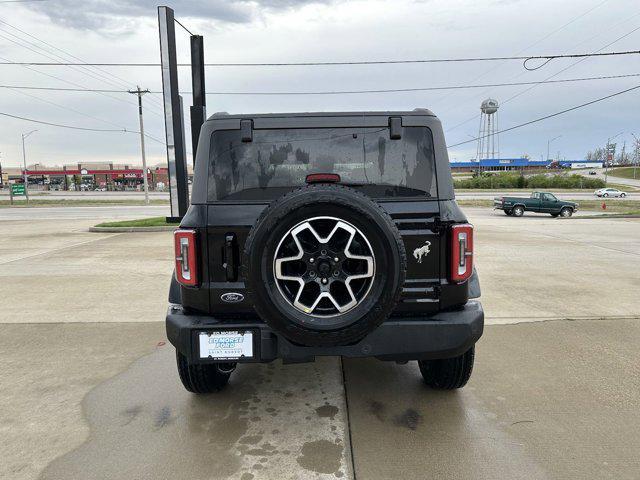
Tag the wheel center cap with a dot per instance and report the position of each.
(324, 267)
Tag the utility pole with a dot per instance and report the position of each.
(24, 161)
(140, 93)
(610, 153)
(636, 154)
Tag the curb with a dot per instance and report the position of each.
(131, 229)
(607, 215)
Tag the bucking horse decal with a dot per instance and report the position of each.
(422, 251)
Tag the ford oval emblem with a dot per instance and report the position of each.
(232, 297)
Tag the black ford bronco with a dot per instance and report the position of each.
(323, 234)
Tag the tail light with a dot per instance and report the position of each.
(186, 257)
(461, 252)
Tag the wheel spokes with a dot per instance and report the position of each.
(331, 254)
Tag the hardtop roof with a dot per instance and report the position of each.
(403, 113)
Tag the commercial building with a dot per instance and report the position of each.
(89, 176)
(520, 164)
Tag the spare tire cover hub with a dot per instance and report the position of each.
(331, 274)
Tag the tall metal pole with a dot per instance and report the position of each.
(176, 161)
(24, 161)
(636, 155)
(479, 147)
(144, 157)
(606, 163)
(199, 107)
(549, 144)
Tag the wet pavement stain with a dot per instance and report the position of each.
(131, 413)
(377, 409)
(154, 442)
(163, 418)
(144, 425)
(327, 411)
(410, 419)
(321, 456)
(251, 439)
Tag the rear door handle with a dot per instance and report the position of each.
(229, 257)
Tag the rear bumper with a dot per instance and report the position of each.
(444, 335)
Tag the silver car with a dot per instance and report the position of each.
(610, 192)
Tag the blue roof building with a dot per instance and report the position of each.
(496, 164)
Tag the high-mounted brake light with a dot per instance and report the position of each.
(461, 252)
(323, 178)
(186, 257)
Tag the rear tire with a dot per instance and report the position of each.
(448, 373)
(203, 378)
(518, 211)
(566, 212)
(554, 215)
(622, 195)
(508, 213)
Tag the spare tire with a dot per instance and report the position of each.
(324, 265)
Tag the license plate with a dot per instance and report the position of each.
(226, 345)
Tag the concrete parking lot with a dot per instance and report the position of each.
(89, 388)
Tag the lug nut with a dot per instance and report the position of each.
(336, 273)
(323, 252)
(311, 260)
(312, 274)
(336, 259)
(324, 280)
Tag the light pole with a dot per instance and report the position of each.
(606, 160)
(549, 144)
(636, 155)
(24, 161)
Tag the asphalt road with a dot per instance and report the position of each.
(96, 212)
(62, 195)
(139, 196)
(89, 388)
(600, 173)
(485, 195)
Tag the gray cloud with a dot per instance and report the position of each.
(120, 16)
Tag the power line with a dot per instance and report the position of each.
(537, 42)
(93, 72)
(555, 74)
(74, 127)
(185, 28)
(69, 109)
(340, 92)
(42, 122)
(550, 116)
(307, 64)
(571, 65)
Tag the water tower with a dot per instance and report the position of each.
(488, 143)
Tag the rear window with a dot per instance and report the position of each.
(278, 160)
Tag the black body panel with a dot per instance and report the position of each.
(444, 335)
(434, 317)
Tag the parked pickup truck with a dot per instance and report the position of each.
(538, 202)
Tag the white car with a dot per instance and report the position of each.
(609, 192)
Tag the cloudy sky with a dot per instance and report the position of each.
(305, 30)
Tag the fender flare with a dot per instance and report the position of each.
(474, 285)
(175, 294)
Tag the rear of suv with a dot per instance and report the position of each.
(317, 234)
